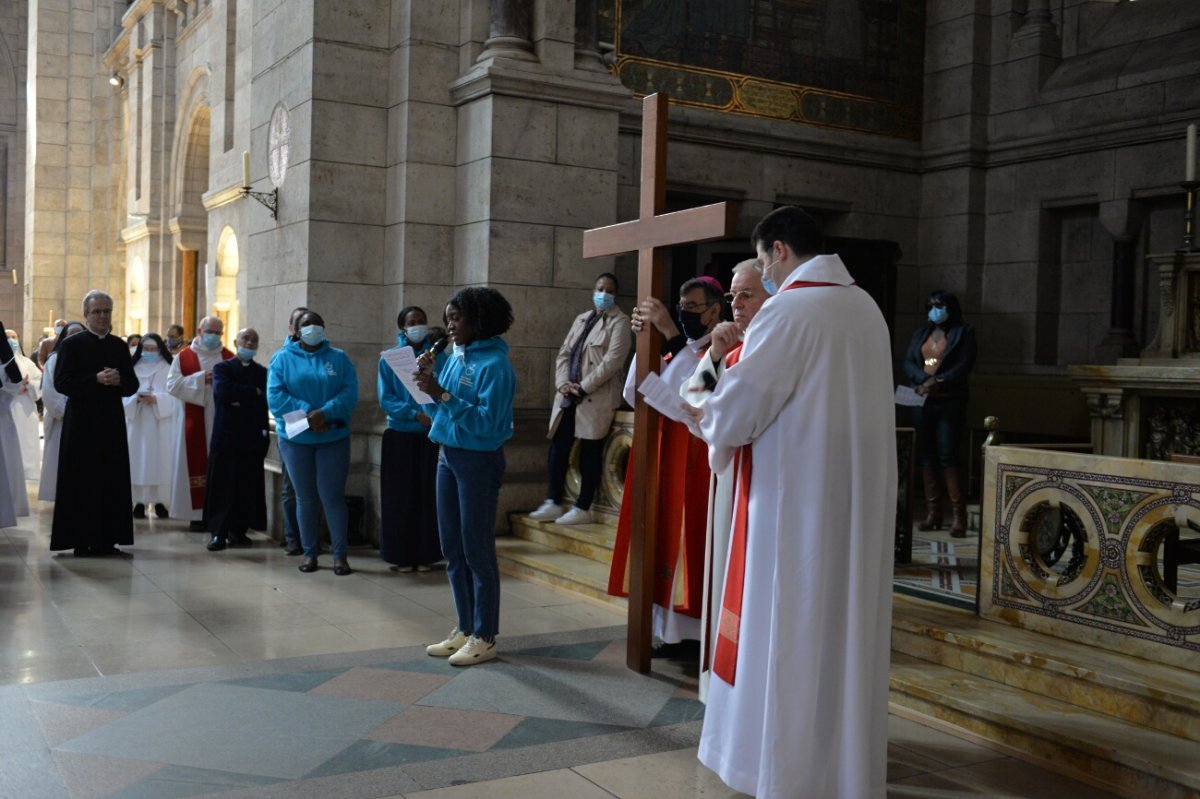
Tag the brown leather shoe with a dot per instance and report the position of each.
(933, 499)
(958, 502)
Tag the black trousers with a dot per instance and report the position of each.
(590, 455)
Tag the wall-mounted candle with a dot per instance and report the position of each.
(245, 168)
(1190, 170)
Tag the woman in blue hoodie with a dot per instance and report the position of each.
(309, 375)
(472, 419)
(408, 531)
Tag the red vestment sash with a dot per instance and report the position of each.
(729, 626)
(681, 523)
(195, 430)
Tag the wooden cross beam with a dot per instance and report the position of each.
(648, 235)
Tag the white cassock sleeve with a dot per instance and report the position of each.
(54, 403)
(753, 391)
(630, 390)
(188, 388)
(30, 370)
(695, 390)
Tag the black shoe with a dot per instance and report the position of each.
(309, 565)
(341, 568)
(160, 510)
(139, 511)
(679, 651)
(197, 527)
(294, 549)
(216, 544)
(240, 540)
(105, 551)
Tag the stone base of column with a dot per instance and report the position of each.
(511, 47)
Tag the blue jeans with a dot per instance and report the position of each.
(287, 498)
(939, 424)
(318, 473)
(468, 488)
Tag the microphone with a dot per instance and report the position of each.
(430, 355)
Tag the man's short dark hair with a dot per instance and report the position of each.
(175, 327)
(610, 276)
(791, 225)
(486, 310)
(711, 292)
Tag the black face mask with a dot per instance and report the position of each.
(693, 328)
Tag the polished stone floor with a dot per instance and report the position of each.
(175, 672)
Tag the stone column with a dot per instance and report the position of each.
(587, 35)
(510, 32)
(1120, 328)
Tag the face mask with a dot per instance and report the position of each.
(150, 357)
(416, 334)
(769, 285)
(16, 345)
(132, 351)
(312, 335)
(938, 315)
(245, 354)
(603, 300)
(210, 341)
(58, 330)
(692, 327)
(173, 341)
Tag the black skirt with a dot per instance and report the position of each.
(408, 528)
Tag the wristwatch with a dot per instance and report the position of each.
(444, 396)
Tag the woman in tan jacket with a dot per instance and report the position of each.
(588, 373)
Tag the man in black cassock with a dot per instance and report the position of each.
(94, 371)
(234, 500)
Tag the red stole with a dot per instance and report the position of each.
(195, 431)
(681, 524)
(724, 663)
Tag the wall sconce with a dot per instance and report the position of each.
(270, 199)
(116, 81)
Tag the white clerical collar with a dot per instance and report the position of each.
(820, 269)
(699, 345)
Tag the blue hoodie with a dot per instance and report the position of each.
(323, 380)
(394, 398)
(481, 383)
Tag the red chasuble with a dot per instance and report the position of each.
(683, 477)
(195, 430)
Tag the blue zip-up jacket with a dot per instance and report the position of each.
(394, 398)
(481, 382)
(323, 380)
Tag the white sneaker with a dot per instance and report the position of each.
(454, 642)
(548, 511)
(477, 650)
(575, 516)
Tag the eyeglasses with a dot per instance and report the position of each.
(100, 312)
(694, 307)
(745, 295)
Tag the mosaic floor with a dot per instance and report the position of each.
(176, 673)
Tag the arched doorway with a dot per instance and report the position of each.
(190, 224)
(224, 291)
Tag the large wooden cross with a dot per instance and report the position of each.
(648, 235)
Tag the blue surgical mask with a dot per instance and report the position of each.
(416, 334)
(15, 344)
(58, 330)
(769, 285)
(245, 354)
(312, 335)
(150, 357)
(938, 315)
(603, 300)
(210, 341)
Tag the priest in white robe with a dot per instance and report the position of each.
(797, 705)
(24, 409)
(150, 417)
(54, 406)
(746, 295)
(190, 382)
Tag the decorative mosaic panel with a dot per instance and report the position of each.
(1073, 544)
(854, 64)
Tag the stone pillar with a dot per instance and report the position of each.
(1120, 329)
(510, 32)
(1036, 47)
(587, 36)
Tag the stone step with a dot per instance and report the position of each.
(1101, 750)
(549, 566)
(592, 541)
(1123, 687)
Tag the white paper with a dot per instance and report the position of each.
(662, 398)
(404, 363)
(907, 396)
(294, 423)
